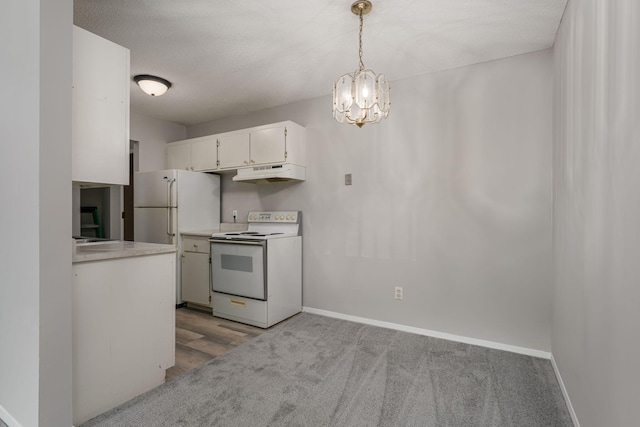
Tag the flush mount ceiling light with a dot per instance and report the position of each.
(152, 85)
(362, 96)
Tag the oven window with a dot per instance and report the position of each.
(236, 263)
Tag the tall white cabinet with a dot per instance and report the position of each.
(100, 110)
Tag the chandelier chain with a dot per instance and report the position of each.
(360, 41)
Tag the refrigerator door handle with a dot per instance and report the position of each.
(169, 207)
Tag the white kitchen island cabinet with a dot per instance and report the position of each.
(123, 328)
(100, 110)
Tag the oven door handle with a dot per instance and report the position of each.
(239, 242)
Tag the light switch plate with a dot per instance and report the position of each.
(347, 179)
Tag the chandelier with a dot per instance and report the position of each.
(362, 96)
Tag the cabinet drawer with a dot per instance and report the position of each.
(194, 244)
(245, 310)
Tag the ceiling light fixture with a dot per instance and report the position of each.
(361, 97)
(152, 85)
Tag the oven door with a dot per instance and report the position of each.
(238, 267)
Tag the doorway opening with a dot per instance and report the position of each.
(127, 198)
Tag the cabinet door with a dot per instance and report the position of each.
(100, 112)
(204, 155)
(179, 157)
(233, 151)
(268, 145)
(195, 278)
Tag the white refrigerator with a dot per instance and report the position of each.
(169, 202)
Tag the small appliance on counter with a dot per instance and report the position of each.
(256, 275)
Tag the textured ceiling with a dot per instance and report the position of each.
(227, 58)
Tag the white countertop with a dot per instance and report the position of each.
(224, 227)
(97, 251)
(201, 233)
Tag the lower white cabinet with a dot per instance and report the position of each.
(123, 330)
(195, 270)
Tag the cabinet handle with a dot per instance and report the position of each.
(246, 163)
(252, 162)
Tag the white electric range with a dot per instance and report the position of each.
(256, 275)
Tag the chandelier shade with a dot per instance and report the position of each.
(362, 96)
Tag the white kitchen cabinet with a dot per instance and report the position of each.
(197, 154)
(195, 270)
(100, 110)
(204, 154)
(123, 330)
(179, 156)
(233, 150)
(277, 143)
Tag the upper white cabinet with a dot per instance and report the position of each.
(179, 156)
(100, 110)
(276, 143)
(233, 150)
(198, 154)
(204, 154)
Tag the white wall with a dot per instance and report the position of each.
(451, 199)
(35, 168)
(597, 210)
(152, 135)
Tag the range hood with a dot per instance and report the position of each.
(273, 173)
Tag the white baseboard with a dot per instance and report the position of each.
(572, 412)
(430, 333)
(8, 419)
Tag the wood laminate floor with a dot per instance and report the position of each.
(201, 337)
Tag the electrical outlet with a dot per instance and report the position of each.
(235, 215)
(398, 293)
(347, 179)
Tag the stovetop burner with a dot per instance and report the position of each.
(266, 225)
